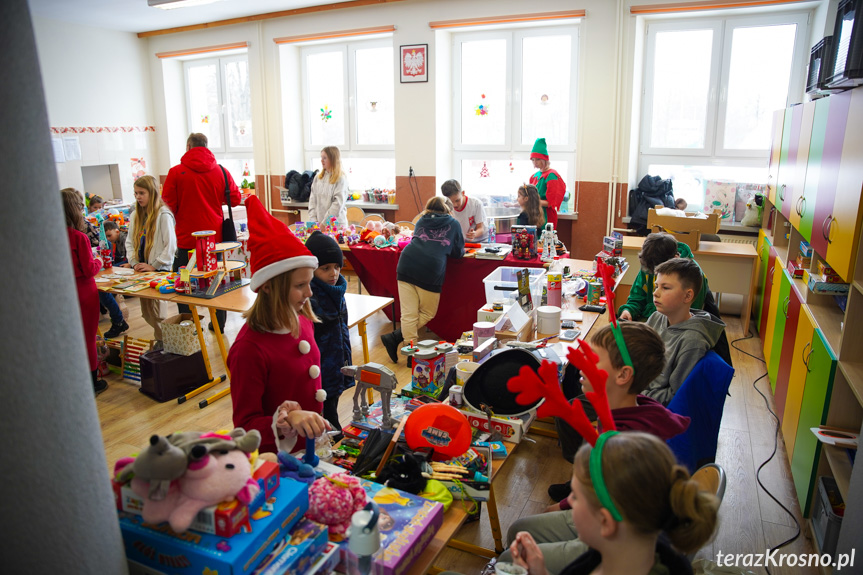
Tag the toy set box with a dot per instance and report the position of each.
(818, 285)
(180, 337)
(190, 553)
(511, 428)
(296, 553)
(793, 269)
(328, 561)
(407, 524)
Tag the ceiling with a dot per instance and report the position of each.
(136, 16)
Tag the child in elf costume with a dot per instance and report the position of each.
(275, 363)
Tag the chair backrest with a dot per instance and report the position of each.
(372, 217)
(408, 225)
(711, 477)
(701, 397)
(355, 215)
(417, 218)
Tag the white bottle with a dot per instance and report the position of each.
(555, 282)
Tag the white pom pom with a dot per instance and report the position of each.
(320, 395)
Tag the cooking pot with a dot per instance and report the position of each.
(504, 218)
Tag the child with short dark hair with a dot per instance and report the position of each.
(686, 332)
(117, 243)
(117, 240)
(331, 334)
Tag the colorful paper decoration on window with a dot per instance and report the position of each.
(482, 109)
(511, 169)
(205, 119)
(543, 99)
(483, 173)
(326, 114)
(374, 106)
(245, 169)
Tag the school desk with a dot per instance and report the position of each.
(360, 308)
(729, 268)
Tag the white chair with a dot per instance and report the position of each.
(372, 217)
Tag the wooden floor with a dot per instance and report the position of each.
(749, 521)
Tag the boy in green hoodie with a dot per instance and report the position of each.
(657, 248)
(687, 333)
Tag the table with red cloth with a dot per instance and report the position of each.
(463, 291)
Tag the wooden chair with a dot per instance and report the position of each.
(711, 478)
(416, 218)
(408, 225)
(355, 215)
(373, 217)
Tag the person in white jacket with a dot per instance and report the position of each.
(329, 190)
(151, 244)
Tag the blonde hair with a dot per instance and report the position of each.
(652, 492)
(272, 310)
(73, 209)
(438, 205)
(532, 208)
(146, 217)
(335, 158)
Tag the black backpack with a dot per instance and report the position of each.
(293, 183)
(651, 192)
(306, 181)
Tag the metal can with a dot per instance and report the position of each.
(594, 292)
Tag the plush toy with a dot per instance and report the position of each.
(218, 477)
(236, 439)
(333, 501)
(290, 466)
(157, 466)
(750, 216)
(403, 473)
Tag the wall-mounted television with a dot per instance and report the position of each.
(847, 46)
(820, 68)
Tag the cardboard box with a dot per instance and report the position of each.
(817, 285)
(524, 334)
(511, 428)
(413, 522)
(687, 230)
(180, 339)
(485, 313)
(795, 271)
(297, 552)
(191, 553)
(327, 562)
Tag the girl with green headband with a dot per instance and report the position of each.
(626, 490)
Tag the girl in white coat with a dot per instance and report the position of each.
(151, 243)
(329, 190)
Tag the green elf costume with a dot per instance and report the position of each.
(549, 184)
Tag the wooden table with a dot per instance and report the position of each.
(360, 308)
(729, 268)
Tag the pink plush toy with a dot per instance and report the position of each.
(218, 477)
(333, 500)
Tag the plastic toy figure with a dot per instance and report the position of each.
(549, 241)
(376, 376)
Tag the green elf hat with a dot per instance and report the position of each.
(540, 150)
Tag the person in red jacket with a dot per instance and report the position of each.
(86, 267)
(195, 193)
(275, 362)
(548, 182)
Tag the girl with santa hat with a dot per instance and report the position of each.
(275, 362)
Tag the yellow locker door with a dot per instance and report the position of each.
(797, 379)
(778, 270)
(844, 229)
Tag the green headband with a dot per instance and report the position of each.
(596, 475)
(621, 345)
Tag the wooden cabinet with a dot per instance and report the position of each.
(804, 207)
(775, 148)
(798, 187)
(788, 159)
(789, 335)
(789, 412)
(813, 412)
(776, 338)
(765, 263)
(775, 301)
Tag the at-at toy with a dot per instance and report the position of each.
(372, 376)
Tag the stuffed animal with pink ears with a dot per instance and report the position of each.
(334, 500)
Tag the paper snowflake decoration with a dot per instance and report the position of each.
(326, 114)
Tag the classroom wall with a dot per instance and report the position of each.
(98, 94)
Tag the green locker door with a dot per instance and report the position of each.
(779, 328)
(764, 257)
(813, 412)
(806, 204)
(786, 170)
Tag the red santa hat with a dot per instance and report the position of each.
(273, 248)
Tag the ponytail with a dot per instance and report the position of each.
(693, 518)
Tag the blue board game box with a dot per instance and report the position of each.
(296, 553)
(160, 548)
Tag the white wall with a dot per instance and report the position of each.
(99, 79)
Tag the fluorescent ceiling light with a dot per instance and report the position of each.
(171, 4)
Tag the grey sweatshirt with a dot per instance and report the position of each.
(685, 344)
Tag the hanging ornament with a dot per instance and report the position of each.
(511, 169)
(205, 119)
(245, 169)
(483, 173)
(326, 113)
(374, 106)
(482, 108)
(543, 99)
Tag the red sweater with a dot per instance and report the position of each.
(195, 193)
(85, 268)
(269, 368)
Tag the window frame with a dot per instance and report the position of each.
(512, 145)
(225, 150)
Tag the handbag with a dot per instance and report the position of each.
(229, 232)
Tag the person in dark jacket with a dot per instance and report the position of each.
(422, 269)
(331, 334)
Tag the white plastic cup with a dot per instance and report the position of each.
(482, 331)
(548, 320)
(463, 371)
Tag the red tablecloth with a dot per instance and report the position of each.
(462, 295)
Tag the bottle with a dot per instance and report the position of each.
(492, 233)
(555, 282)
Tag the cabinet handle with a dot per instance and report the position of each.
(802, 206)
(830, 230)
(828, 220)
(782, 192)
(785, 306)
(809, 358)
(805, 356)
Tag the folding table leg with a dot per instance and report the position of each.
(210, 400)
(211, 380)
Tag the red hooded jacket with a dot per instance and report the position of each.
(195, 192)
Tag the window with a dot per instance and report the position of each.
(348, 97)
(506, 96)
(218, 102)
(710, 90)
